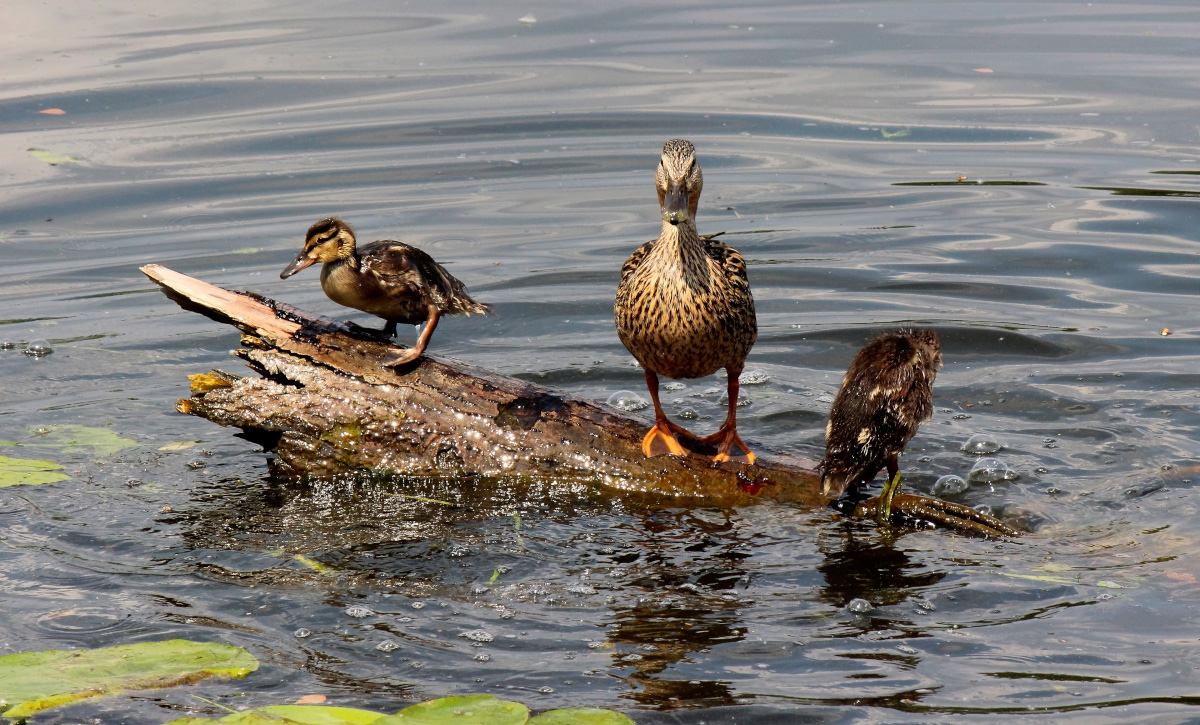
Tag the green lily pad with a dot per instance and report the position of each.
(292, 715)
(34, 681)
(28, 472)
(581, 716)
(469, 710)
(71, 438)
(52, 158)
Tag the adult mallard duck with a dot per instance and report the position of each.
(684, 307)
(885, 396)
(392, 280)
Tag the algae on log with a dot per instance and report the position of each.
(326, 405)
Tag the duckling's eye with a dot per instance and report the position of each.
(691, 167)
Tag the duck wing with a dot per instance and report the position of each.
(402, 267)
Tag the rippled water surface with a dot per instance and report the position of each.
(520, 154)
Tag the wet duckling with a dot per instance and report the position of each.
(886, 394)
(388, 279)
(684, 308)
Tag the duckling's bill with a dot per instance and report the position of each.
(302, 261)
(675, 203)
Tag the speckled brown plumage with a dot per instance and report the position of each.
(886, 394)
(683, 306)
(389, 279)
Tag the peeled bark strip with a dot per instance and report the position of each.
(326, 405)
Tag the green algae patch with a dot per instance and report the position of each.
(29, 472)
(292, 715)
(469, 710)
(34, 681)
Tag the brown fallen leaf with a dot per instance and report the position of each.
(984, 70)
(53, 112)
(1181, 576)
(1166, 331)
(310, 700)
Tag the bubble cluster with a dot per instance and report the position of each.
(478, 635)
(359, 612)
(753, 377)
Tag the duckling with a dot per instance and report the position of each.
(886, 394)
(392, 280)
(684, 307)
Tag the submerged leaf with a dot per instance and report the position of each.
(70, 438)
(581, 716)
(469, 710)
(52, 158)
(317, 566)
(34, 681)
(28, 472)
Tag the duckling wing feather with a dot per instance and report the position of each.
(401, 266)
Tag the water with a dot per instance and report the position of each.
(832, 136)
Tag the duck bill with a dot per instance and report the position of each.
(675, 204)
(299, 263)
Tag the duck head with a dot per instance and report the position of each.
(679, 181)
(328, 240)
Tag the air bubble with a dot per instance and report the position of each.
(417, 605)
(859, 606)
(674, 385)
(989, 470)
(388, 645)
(949, 485)
(482, 657)
(687, 414)
(7, 344)
(302, 633)
(38, 348)
(628, 401)
(981, 444)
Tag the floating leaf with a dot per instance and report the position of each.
(34, 681)
(310, 700)
(292, 715)
(28, 472)
(469, 710)
(53, 112)
(902, 133)
(70, 438)
(52, 158)
(581, 716)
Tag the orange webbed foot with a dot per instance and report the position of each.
(660, 441)
(731, 448)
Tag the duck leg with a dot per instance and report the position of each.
(418, 347)
(390, 328)
(729, 446)
(661, 439)
(890, 489)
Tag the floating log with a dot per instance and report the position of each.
(325, 404)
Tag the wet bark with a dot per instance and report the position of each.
(323, 402)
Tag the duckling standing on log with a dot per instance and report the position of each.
(886, 394)
(684, 307)
(392, 280)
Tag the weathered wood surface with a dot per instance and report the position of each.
(326, 405)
